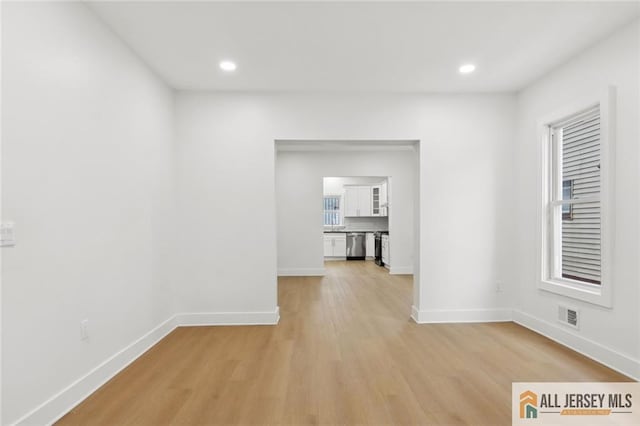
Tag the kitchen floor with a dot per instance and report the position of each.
(345, 352)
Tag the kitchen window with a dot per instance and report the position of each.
(576, 162)
(332, 210)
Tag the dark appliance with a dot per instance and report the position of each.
(377, 237)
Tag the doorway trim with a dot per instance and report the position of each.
(366, 145)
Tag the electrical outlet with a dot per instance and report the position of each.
(498, 286)
(84, 329)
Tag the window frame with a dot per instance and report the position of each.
(340, 209)
(599, 294)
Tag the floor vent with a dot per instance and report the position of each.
(569, 316)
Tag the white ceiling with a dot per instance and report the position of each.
(360, 46)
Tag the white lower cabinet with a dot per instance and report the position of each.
(335, 245)
(385, 250)
(371, 245)
(328, 246)
(340, 246)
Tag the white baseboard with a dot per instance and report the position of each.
(415, 314)
(60, 404)
(229, 318)
(460, 315)
(606, 356)
(401, 270)
(301, 272)
(64, 401)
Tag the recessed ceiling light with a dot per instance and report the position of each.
(467, 68)
(228, 66)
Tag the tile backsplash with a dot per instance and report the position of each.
(367, 223)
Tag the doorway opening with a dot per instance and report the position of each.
(327, 191)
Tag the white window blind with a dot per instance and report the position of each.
(332, 215)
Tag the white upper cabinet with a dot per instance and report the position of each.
(384, 199)
(357, 201)
(351, 201)
(376, 202)
(379, 200)
(364, 201)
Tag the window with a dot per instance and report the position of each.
(573, 253)
(332, 212)
(576, 164)
(567, 194)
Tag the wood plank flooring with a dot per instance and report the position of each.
(344, 352)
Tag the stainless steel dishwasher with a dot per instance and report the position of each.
(356, 245)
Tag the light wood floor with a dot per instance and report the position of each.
(345, 352)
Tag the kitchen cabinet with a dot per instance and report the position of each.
(371, 245)
(385, 250)
(375, 200)
(384, 199)
(379, 200)
(328, 246)
(357, 201)
(335, 245)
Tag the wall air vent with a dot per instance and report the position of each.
(569, 316)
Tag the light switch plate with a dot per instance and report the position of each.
(7, 235)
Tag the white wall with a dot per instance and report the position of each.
(1, 220)
(226, 186)
(603, 332)
(299, 189)
(86, 172)
(87, 175)
(333, 185)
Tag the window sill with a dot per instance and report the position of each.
(585, 292)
